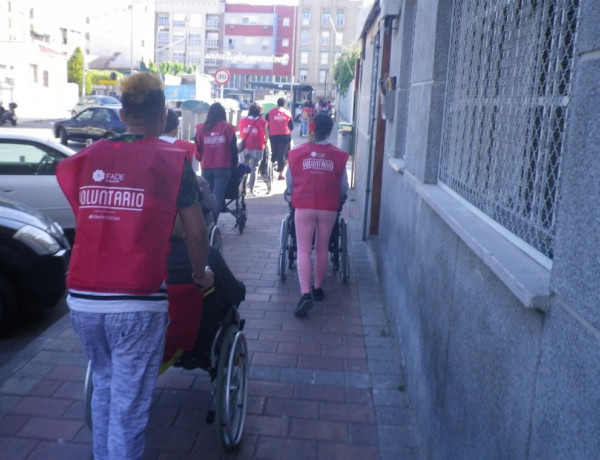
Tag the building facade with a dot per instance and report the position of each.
(324, 29)
(36, 40)
(188, 31)
(476, 174)
(259, 45)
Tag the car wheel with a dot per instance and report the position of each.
(64, 138)
(8, 305)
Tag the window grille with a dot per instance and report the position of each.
(509, 78)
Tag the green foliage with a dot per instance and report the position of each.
(98, 75)
(75, 68)
(171, 68)
(343, 69)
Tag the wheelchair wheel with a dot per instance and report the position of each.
(240, 214)
(345, 267)
(231, 388)
(241, 219)
(88, 389)
(334, 250)
(269, 171)
(284, 234)
(214, 236)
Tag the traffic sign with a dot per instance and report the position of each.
(222, 76)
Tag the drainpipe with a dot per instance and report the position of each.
(372, 122)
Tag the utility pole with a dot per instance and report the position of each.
(130, 7)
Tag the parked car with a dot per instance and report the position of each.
(90, 101)
(27, 175)
(93, 123)
(34, 256)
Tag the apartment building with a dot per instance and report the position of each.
(187, 31)
(258, 46)
(325, 27)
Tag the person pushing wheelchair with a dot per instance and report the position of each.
(317, 182)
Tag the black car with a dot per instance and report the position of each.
(34, 256)
(93, 123)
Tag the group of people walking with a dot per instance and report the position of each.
(275, 128)
(140, 184)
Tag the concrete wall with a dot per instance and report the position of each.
(501, 352)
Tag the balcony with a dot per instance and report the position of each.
(212, 24)
(212, 43)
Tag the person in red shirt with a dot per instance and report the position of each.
(317, 181)
(255, 133)
(171, 134)
(126, 192)
(308, 111)
(281, 125)
(217, 149)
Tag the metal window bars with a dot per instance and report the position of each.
(509, 76)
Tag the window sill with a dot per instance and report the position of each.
(397, 165)
(522, 274)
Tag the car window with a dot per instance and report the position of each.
(85, 115)
(20, 159)
(101, 115)
(109, 100)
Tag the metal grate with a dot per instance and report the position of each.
(509, 78)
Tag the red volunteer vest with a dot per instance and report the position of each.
(278, 121)
(317, 171)
(124, 198)
(254, 140)
(213, 146)
(189, 147)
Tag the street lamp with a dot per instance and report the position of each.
(159, 28)
(130, 8)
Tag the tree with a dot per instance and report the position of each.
(171, 68)
(343, 69)
(75, 68)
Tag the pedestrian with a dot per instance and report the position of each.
(306, 114)
(126, 192)
(317, 181)
(217, 149)
(281, 124)
(171, 134)
(254, 134)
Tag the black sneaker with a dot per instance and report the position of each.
(304, 305)
(317, 294)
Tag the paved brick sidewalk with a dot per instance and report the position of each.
(328, 386)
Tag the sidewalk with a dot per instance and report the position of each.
(328, 386)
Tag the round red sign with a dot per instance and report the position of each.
(222, 76)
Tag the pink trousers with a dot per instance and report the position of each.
(311, 222)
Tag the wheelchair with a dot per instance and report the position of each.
(235, 196)
(266, 169)
(214, 232)
(338, 246)
(219, 346)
